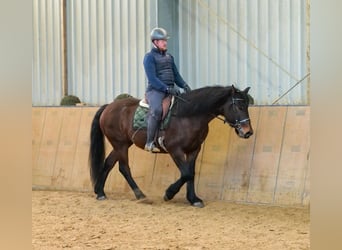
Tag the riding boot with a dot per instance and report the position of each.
(152, 127)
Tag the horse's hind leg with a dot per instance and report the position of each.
(109, 163)
(126, 172)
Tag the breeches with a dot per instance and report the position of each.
(155, 99)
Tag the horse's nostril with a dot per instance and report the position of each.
(248, 134)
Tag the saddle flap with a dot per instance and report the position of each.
(167, 104)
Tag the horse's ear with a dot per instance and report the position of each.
(233, 88)
(246, 90)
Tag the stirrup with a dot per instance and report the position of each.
(161, 143)
(151, 147)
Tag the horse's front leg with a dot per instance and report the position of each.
(173, 189)
(187, 176)
(187, 169)
(190, 187)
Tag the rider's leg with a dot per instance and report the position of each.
(152, 127)
(154, 99)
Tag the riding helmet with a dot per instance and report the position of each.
(159, 34)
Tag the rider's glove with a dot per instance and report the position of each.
(186, 88)
(172, 91)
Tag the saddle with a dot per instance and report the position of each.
(140, 115)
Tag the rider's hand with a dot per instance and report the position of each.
(186, 88)
(172, 91)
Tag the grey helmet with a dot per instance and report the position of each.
(159, 34)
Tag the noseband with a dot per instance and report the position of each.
(237, 123)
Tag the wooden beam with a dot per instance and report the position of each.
(64, 48)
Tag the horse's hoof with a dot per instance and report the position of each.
(199, 204)
(138, 194)
(101, 197)
(166, 198)
(141, 197)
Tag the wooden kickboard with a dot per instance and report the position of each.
(306, 192)
(275, 161)
(66, 148)
(43, 172)
(38, 120)
(80, 177)
(239, 160)
(269, 136)
(293, 163)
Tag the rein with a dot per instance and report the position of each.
(180, 98)
(237, 123)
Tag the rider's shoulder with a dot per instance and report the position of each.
(149, 56)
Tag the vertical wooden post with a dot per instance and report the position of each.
(64, 48)
(308, 9)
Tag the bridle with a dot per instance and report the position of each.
(237, 124)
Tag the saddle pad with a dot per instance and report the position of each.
(140, 119)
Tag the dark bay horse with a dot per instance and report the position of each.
(183, 137)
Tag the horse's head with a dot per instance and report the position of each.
(236, 112)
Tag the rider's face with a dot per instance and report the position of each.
(161, 44)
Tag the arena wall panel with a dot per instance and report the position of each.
(266, 154)
(80, 172)
(271, 167)
(43, 169)
(239, 162)
(210, 180)
(306, 193)
(66, 149)
(294, 157)
(38, 119)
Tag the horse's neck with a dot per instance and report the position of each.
(202, 119)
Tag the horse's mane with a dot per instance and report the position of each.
(202, 101)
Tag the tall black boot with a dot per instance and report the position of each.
(152, 126)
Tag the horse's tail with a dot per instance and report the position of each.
(97, 147)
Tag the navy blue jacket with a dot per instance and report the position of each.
(161, 71)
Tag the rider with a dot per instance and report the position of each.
(162, 74)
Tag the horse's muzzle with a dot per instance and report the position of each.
(244, 130)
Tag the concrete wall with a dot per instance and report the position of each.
(272, 167)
